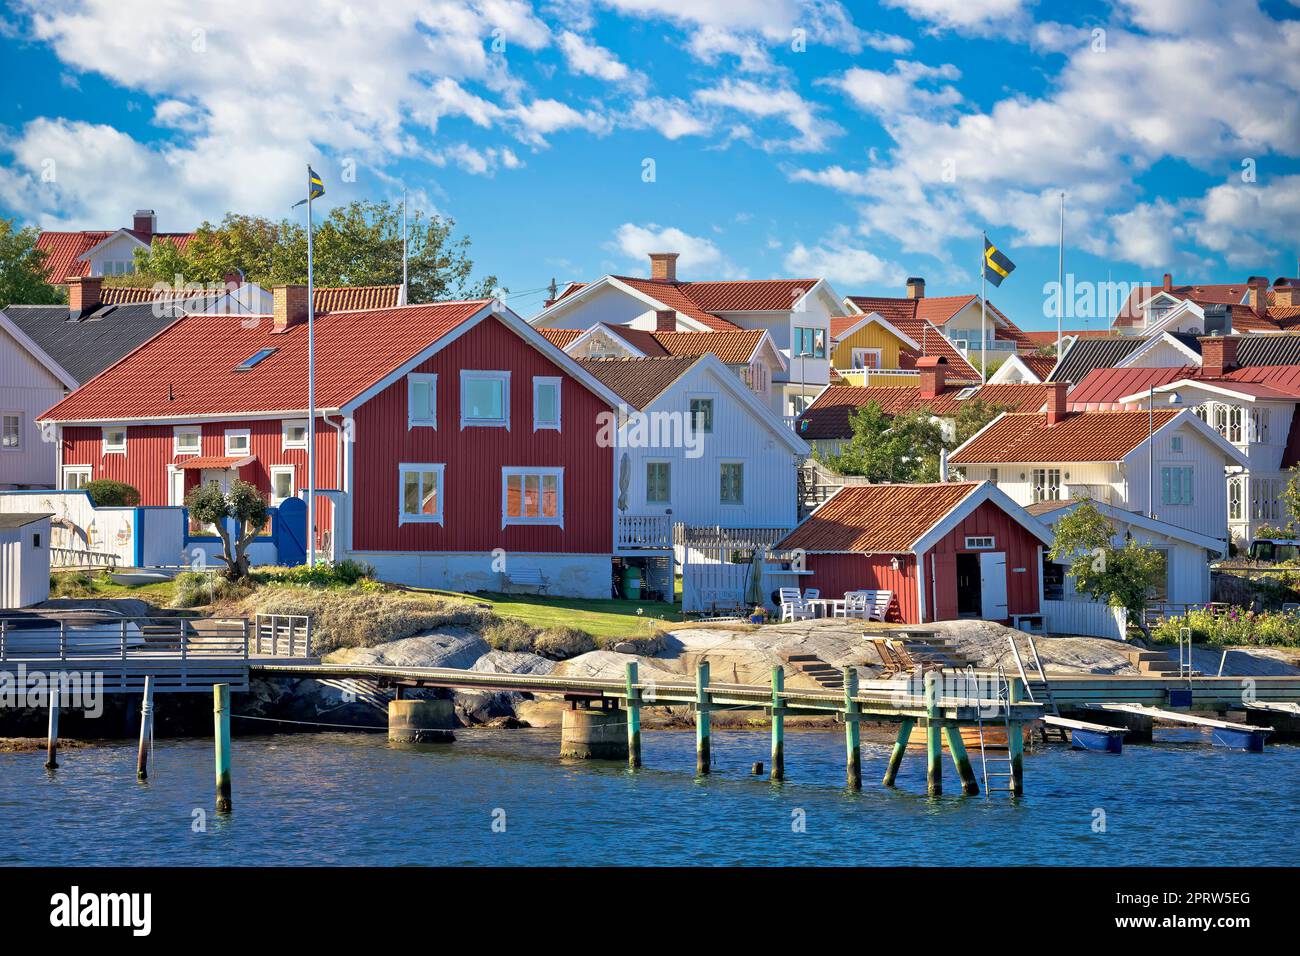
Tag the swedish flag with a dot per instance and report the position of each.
(315, 187)
(996, 266)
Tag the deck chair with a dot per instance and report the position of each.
(793, 607)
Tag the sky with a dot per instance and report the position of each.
(860, 142)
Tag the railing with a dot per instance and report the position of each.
(967, 346)
(644, 531)
(137, 639)
(1104, 494)
(75, 558)
(282, 635)
(864, 376)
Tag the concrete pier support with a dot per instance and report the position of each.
(421, 721)
(1016, 740)
(146, 731)
(703, 746)
(588, 733)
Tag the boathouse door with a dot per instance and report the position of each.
(968, 586)
(993, 585)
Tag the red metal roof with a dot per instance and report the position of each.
(1080, 436)
(1102, 388)
(215, 461)
(877, 519)
(195, 357)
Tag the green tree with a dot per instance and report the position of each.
(972, 415)
(1121, 576)
(107, 493)
(22, 268)
(1290, 504)
(884, 448)
(243, 503)
(356, 244)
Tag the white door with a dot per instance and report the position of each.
(175, 486)
(993, 585)
(217, 476)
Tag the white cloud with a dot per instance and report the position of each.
(774, 102)
(673, 118)
(839, 259)
(961, 14)
(699, 258)
(901, 90)
(590, 59)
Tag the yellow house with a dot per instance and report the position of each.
(867, 342)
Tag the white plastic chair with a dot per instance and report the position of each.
(793, 607)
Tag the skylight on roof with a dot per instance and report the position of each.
(253, 359)
(967, 392)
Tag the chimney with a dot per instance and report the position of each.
(931, 368)
(290, 306)
(83, 293)
(145, 222)
(1218, 354)
(1168, 285)
(1257, 295)
(1284, 293)
(915, 287)
(663, 266)
(1058, 405)
(665, 320)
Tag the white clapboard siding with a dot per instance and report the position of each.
(28, 388)
(1085, 619)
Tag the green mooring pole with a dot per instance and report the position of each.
(852, 730)
(778, 723)
(933, 745)
(1016, 741)
(221, 720)
(702, 752)
(633, 718)
(900, 748)
(969, 785)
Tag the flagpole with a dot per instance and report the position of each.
(405, 293)
(984, 332)
(1060, 282)
(311, 390)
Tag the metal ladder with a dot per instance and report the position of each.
(1042, 679)
(1001, 765)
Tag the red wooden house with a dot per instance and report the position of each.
(453, 442)
(957, 549)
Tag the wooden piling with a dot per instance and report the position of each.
(146, 731)
(221, 719)
(933, 743)
(52, 742)
(852, 730)
(965, 772)
(900, 748)
(703, 756)
(778, 723)
(633, 717)
(1016, 740)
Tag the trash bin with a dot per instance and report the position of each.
(632, 583)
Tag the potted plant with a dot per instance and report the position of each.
(758, 615)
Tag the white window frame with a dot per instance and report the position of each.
(425, 378)
(108, 449)
(858, 356)
(1176, 444)
(87, 471)
(177, 450)
(236, 432)
(292, 471)
(285, 443)
(1167, 490)
(12, 413)
(508, 472)
(406, 468)
(669, 500)
(721, 500)
(980, 542)
(469, 375)
(1051, 482)
(557, 381)
(713, 412)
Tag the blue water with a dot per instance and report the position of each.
(355, 799)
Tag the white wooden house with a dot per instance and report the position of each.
(30, 382)
(24, 559)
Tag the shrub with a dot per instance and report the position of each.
(510, 634)
(197, 589)
(562, 642)
(106, 493)
(1235, 628)
(71, 584)
(322, 575)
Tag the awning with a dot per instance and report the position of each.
(215, 462)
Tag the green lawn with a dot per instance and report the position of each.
(599, 618)
(159, 593)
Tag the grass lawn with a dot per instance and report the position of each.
(601, 619)
(159, 593)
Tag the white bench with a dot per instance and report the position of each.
(526, 578)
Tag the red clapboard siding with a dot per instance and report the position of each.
(474, 457)
(835, 574)
(1020, 547)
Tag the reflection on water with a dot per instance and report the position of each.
(355, 799)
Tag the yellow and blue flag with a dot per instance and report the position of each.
(315, 187)
(996, 266)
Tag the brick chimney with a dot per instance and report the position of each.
(1058, 405)
(665, 320)
(1168, 285)
(234, 279)
(1284, 292)
(663, 266)
(1218, 354)
(290, 306)
(83, 293)
(931, 368)
(915, 287)
(145, 222)
(1257, 294)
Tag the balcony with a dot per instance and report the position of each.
(643, 532)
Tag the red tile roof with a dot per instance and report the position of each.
(938, 310)
(334, 299)
(196, 357)
(1038, 338)
(673, 296)
(1040, 365)
(638, 381)
(877, 519)
(828, 416)
(561, 338)
(200, 462)
(706, 301)
(63, 249)
(732, 347)
(1081, 436)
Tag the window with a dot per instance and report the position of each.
(732, 490)
(186, 440)
(702, 414)
(1047, 484)
(293, 434)
(546, 403)
(866, 358)
(1176, 443)
(1235, 497)
(238, 442)
(1176, 486)
(1266, 498)
(993, 475)
(1159, 593)
(485, 399)
(755, 377)
(253, 359)
(76, 477)
(36, 540)
(1053, 580)
(809, 343)
(282, 483)
(974, 542)
(11, 431)
(421, 401)
(421, 490)
(115, 440)
(658, 483)
(532, 496)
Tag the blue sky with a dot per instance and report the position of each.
(862, 142)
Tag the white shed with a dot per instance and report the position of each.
(24, 559)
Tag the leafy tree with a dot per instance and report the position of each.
(972, 415)
(356, 244)
(1121, 576)
(884, 448)
(245, 504)
(107, 493)
(1290, 503)
(22, 268)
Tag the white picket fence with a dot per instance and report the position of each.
(1085, 619)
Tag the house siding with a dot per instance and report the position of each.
(28, 388)
(872, 337)
(1009, 538)
(834, 574)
